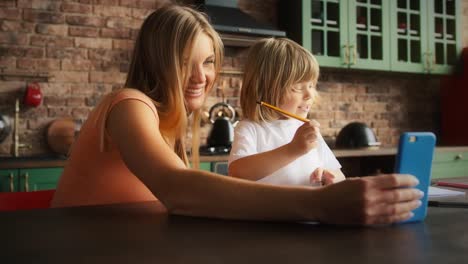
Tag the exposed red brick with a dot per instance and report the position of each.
(107, 55)
(52, 41)
(66, 53)
(76, 65)
(38, 64)
(75, 101)
(107, 77)
(112, 11)
(16, 51)
(10, 13)
(123, 44)
(93, 43)
(40, 4)
(16, 26)
(68, 76)
(47, 29)
(85, 21)
(13, 38)
(83, 31)
(69, 7)
(43, 17)
(121, 33)
(59, 112)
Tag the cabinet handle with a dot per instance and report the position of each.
(346, 53)
(458, 157)
(26, 182)
(433, 62)
(428, 61)
(354, 54)
(12, 183)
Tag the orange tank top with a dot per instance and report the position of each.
(95, 172)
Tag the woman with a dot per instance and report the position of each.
(132, 146)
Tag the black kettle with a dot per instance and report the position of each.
(222, 116)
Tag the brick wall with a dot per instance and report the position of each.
(79, 50)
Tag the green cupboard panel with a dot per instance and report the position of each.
(444, 43)
(422, 36)
(8, 180)
(341, 33)
(450, 164)
(425, 35)
(39, 179)
(408, 27)
(368, 40)
(205, 166)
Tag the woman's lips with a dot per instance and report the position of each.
(194, 91)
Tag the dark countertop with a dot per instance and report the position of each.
(54, 161)
(140, 233)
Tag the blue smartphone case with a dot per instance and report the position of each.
(415, 154)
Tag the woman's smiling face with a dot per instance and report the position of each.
(202, 72)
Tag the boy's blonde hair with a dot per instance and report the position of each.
(165, 40)
(272, 66)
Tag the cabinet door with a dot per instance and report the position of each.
(408, 26)
(444, 34)
(206, 166)
(450, 164)
(9, 180)
(220, 167)
(325, 31)
(39, 179)
(369, 43)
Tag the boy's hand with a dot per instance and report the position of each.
(321, 177)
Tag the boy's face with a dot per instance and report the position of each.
(202, 74)
(299, 98)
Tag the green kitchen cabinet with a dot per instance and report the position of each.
(31, 179)
(8, 180)
(424, 35)
(220, 167)
(206, 166)
(421, 36)
(449, 164)
(341, 33)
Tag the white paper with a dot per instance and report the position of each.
(440, 192)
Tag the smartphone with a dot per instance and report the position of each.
(415, 154)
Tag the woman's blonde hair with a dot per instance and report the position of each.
(272, 66)
(165, 40)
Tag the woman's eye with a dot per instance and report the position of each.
(211, 61)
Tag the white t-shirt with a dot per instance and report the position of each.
(252, 138)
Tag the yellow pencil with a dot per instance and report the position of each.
(282, 111)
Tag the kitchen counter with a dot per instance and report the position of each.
(48, 161)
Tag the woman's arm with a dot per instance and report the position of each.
(133, 127)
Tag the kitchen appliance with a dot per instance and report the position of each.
(356, 135)
(223, 118)
(226, 16)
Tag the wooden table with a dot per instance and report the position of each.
(139, 233)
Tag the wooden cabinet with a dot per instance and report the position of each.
(393, 35)
(424, 35)
(31, 179)
(452, 162)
